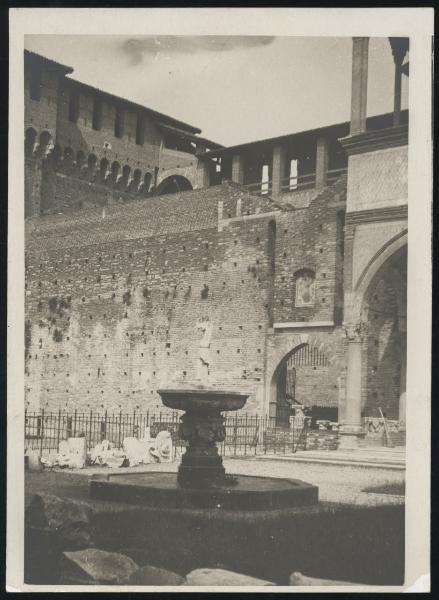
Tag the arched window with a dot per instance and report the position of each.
(305, 288)
(147, 182)
(126, 174)
(115, 170)
(137, 174)
(29, 141)
(45, 138)
(103, 168)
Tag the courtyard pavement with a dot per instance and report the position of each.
(342, 483)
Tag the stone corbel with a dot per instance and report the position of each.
(36, 149)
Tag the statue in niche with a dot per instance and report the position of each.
(305, 289)
(205, 326)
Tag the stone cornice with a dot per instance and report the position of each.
(390, 213)
(375, 140)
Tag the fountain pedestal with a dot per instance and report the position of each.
(202, 426)
(201, 465)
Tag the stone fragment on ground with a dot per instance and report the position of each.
(297, 578)
(70, 519)
(150, 575)
(214, 577)
(96, 567)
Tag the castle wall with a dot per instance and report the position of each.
(114, 301)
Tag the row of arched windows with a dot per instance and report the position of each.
(89, 167)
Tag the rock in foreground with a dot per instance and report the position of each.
(209, 577)
(96, 567)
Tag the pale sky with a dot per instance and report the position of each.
(236, 89)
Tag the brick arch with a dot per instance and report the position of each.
(174, 183)
(281, 353)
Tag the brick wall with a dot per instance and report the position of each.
(307, 238)
(112, 301)
(113, 320)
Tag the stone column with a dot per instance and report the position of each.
(322, 158)
(360, 52)
(238, 169)
(351, 429)
(278, 169)
(399, 49)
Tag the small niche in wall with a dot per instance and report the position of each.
(304, 281)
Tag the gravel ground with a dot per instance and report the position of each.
(337, 483)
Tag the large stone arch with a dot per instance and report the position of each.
(284, 346)
(355, 304)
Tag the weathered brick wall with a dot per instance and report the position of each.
(113, 320)
(317, 385)
(307, 238)
(113, 299)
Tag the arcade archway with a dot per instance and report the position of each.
(304, 382)
(173, 184)
(384, 352)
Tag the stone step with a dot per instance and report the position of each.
(335, 457)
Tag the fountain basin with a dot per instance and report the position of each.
(161, 490)
(202, 399)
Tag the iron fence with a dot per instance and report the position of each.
(246, 434)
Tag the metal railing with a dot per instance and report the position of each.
(293, 184)
(246, 434)
(300, 182)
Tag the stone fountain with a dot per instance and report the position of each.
(201, 481)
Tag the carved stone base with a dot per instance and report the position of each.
(201, 465)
